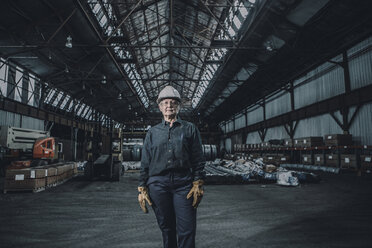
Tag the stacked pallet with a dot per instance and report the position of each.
(332, 160)
(366, 162)
(349, 161)
(319, 159)
(338, 140)
(307, 159)
(276, 159)
(308, 142)
(39, 178)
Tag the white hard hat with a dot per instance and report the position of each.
(168, 92)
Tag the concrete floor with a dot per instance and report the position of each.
(337, 212)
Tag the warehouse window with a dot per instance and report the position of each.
(236, 17)
(3, 77)
(65, 101)
(31, 89)
(18, 84)
(57, 98)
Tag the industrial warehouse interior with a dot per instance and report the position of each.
(279, 93)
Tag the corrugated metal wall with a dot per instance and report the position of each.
(276, 133)
(236, 139)
(361, 127)
(328, 85)
(361, 66)
(230, 126)
(253, 138)
(228, 145)
(325, 81)
(280, 104)
(15, 120)
(254, 116)
(32, 123)
(240, 121)
(317, 126)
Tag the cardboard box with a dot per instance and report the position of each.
(26, 184)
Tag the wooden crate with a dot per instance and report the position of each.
(270, 159)
(332, 160)
(348, 161)
(308, 142)
(283, 159)
(366, 162)
(306, 159)
(318, 159)
(288, 143)
(338, 140)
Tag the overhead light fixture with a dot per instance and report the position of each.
(83, 86)
(120, 96)
(69, 41)
(49, 55)
(103, 79)
(130, 107)
(66, 69)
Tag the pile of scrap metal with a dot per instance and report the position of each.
(250, 171)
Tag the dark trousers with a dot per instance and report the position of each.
(175, 214)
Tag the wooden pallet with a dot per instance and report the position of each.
(35, 190)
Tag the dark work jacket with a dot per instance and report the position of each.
(176, 148)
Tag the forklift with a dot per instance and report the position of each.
(104, 155)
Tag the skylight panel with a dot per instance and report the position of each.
(57, 99)
(65, 101)
(80, 109)
(237, 22)
(3, 77)
(49, 96)
(18, 84)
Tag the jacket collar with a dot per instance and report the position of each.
(165, 123)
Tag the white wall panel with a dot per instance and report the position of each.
(255, 116)
(360, 46)
(253, 138)
(239, 121)
(361, 70)
(361, 127)
(276, 133)
(228, 145)
(321, 88)
(9, 119)
(230, 126)
(278, 105)
(32, 123)
(317, 126)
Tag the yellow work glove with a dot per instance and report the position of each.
(143, 196)
(196, 192)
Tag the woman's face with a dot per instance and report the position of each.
(169, 107)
